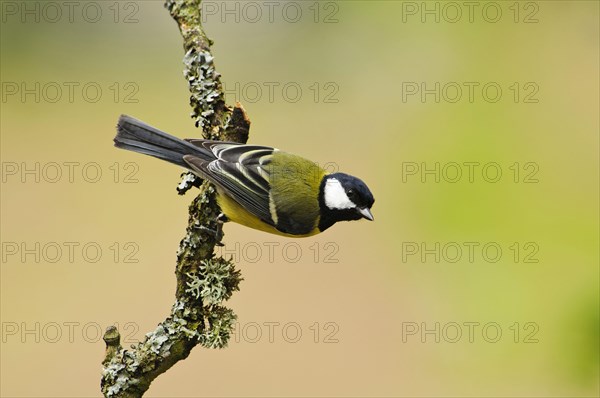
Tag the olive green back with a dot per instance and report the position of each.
(295, 184)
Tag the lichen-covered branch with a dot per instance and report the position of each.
(203, 280)
(207, 99)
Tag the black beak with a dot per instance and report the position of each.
(365, 213)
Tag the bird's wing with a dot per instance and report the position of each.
(242, 171)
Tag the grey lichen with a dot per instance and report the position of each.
(215, 282)
(203, 281)
(188, 181)
(207, 98)
(221, 322)
(204, 84)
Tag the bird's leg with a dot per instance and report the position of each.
(221, 219)
(218, 232)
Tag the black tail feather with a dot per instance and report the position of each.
(137, 136)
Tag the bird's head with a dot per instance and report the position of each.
(345, 198)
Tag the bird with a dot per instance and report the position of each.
(259, 187)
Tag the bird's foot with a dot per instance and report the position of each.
(218, 232)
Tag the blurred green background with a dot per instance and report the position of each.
(378, 313)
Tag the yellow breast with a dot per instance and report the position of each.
(236, 213)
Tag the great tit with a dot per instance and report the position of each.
(258, 186)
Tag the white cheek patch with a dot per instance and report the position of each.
(335, 195)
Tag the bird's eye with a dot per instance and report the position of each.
(350, 193)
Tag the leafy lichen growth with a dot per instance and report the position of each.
(221, 322)
(215, 282)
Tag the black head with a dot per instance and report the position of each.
(343, 197)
